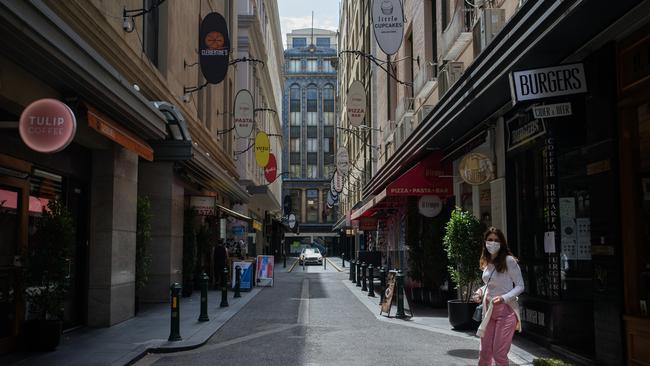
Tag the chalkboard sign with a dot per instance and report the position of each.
(388, 293)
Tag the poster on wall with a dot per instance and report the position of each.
(388, 24)
(265, 270)
(568, 237)
(214, 48)
(356, 103)
(244, 113)
(246, 278)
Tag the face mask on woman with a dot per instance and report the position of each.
(492, 246)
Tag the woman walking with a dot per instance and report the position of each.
(503, 283)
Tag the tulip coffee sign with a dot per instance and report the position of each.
(271, 169)
(262, 149)
(388, 24)
(214, 48)
(244, 113)
(47, 126)
(342, 162)
(356, 103)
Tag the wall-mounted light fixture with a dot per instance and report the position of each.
(128, 22)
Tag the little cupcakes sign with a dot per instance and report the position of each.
(47, 126)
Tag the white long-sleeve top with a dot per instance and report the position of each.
(508, 284)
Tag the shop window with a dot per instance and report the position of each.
(312, 205)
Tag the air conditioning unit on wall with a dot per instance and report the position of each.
(423, 112)
(487, 26)
(448, 75)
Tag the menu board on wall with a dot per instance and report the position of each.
(568, 227)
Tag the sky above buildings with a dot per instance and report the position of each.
(296, 14)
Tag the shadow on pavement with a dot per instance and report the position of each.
(471, 354)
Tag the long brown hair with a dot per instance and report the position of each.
(500, 260)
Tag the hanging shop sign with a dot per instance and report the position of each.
(548, 82)
(429, 206)
(47, 125)
(244, 113)
(291, 221)
(262, 149)
(338, 182)
(330, 199)
(522, 130)
(552, 110)
(356, 103)
(214, 48)
(203, 205)
(476, 169)
(388, 24)
(271, 169)
(342, 161)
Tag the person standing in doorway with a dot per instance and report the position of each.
(503, 283)
(220, 262)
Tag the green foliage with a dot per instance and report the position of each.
(462, 243)
(427, 260)
(142, 240)
(549, 362)
(48, 262)
(189, 244)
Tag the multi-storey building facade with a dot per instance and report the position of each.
(260, 38)
(452, 119)
(309, 116)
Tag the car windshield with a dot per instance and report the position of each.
(312, 251)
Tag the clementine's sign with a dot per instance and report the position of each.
(214, 48)
(47, 126)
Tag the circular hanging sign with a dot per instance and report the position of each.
(244, 113)
(476, 169)
(262, 149)
(330, 200)
(356, 103)
(47, 125)
(338, 182)
(342, 161)
(271, 169)
(388, 24)
(429, 206)
(291, 221)
(214, 48)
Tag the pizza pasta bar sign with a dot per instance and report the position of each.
(244, 113)
(356, 103)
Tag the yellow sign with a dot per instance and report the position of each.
(257, 225)
(476, 169)
(262, 149)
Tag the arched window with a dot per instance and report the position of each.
(312, 105)
(294, 105)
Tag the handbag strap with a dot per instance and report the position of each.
(486, 285)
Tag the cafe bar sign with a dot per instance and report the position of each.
(548, 82)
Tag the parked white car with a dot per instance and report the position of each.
(310, 255)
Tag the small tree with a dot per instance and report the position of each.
(142, 239)
(48, 262)
(462, 243)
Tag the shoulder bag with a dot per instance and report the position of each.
(478, 312)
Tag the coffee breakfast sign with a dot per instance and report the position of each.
(388, 24)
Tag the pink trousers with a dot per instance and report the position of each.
(497, 339)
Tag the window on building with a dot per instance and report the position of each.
(312, 145)
(312, 205)
(294, 65)
(312, 171)
(444, 12)
(328, 170)
(150, 30)
(294, 105)
(328, 105)
(294, 170)
(312, 105)
(327, 66)
(312, 65)
(322, 42)
(328, 145)
(296, 203)
(299, 42)
(294, 145)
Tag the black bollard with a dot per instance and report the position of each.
(400, 295)
(284, 265)
(204, 298)
(343, 259)
(382, 283)
(175, 328)
(237, 281)
(324, 263)
(358, 273)
(352, 276)
(224, 289)
(371, 281)
(364, 266)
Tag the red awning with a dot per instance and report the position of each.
(427, 177)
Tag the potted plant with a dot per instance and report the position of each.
(47, 276)
(142, 239)
(462, 242)
(189, 251)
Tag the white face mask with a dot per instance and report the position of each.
(493, 246)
